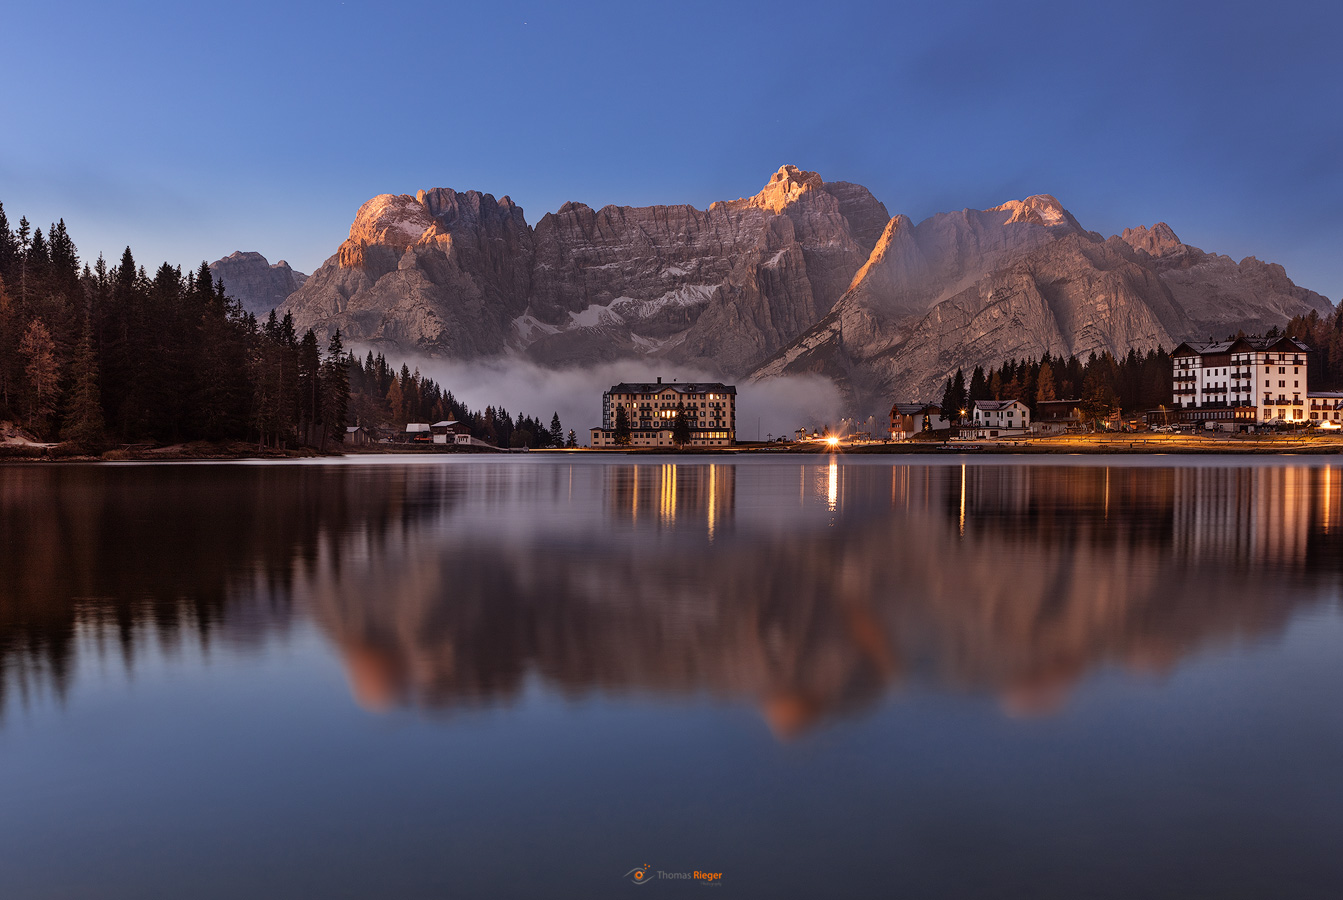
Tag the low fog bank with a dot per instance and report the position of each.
(778, 406)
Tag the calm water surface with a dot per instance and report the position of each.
(817, 676)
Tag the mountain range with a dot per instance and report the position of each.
(806, 276)
(254, 282)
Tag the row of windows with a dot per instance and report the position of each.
(668, 396)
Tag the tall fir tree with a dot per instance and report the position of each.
(84, 421)
(336, 393)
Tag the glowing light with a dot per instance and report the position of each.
(834, 485)
(832, 441)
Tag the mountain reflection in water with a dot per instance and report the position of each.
(810, 590)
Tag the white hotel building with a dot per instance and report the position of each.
(1247, 381)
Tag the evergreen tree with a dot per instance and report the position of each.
(622, 429)
(310, 394)
(556, 431)
(10, 365)
(954, 398)
(572, 440)
(336, 376)
(9, 248)
(681, 426)
(979, 386)
(84, 422)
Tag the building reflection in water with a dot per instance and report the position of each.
(672, 495)
(450, 587)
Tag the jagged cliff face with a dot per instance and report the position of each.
(254, 282)
(1023, 279)
(441, 272)
(461, 275)
(806, 276)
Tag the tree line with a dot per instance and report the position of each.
(1324, 336)
(1102, 385)
(102, 355)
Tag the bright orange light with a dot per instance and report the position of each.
(832, 441)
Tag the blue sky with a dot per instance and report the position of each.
(192, 130)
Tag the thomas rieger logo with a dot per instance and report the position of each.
(642, 875)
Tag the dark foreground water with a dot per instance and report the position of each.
(526, 678)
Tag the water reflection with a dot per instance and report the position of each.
(448, 586)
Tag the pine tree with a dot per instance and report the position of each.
(9, 249)
(572, 440)
(681, 426)
(336, 395)
(10, 369)
(84, 422)
(954, 398)
(556, 431)
(310, 395)
(979, 386)
(622, 429)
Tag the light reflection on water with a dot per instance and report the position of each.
(811, 594)
(444, 585)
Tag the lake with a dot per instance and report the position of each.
(549, 676)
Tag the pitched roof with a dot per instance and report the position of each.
(915, 409)
(1207, 348)
(681, 387)
(994, 404)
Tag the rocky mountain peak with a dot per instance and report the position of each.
(784, 188)
(1157, 241)
(251, 280)
(1038, 209)
(390, 220)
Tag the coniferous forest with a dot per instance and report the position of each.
(1102, 384)
(103, 356)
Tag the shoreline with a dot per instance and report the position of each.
(1146, 445)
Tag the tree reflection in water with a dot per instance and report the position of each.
(810, 591)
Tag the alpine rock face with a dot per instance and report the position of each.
(806, 276)
(254, 282)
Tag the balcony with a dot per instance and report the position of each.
(1185, 376)
(1179, 391)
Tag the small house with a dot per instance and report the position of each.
(447, 431)
(1057, 416)
(909, 419)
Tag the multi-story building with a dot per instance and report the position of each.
(650, 410)
(1001, 418)
(1246, 380)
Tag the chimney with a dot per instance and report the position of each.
(659, 379)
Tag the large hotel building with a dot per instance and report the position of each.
(650, 409)
(1249, 381)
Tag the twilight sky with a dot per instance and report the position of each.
(192, 130)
